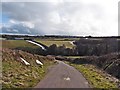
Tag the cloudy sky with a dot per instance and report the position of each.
(60, 17)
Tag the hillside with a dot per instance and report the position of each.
(101, 71)
(16, 74)
(109, 62)
(21, 45)
(97, 47)
(20, 68)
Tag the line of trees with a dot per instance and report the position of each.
(60, 50)
(97, 47)
(84, 47)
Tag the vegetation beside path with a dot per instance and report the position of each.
(96, 77)
(19, 75)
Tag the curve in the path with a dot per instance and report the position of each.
(63, 76)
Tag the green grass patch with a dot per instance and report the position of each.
(58, 39)
(16, 43)
(58, 42)
(95, 77)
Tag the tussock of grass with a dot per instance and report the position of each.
(95, 77)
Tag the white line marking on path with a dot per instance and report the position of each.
(67, 79)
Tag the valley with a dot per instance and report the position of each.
(100, 69)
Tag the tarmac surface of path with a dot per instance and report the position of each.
(63, 76)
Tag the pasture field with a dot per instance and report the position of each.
(58, 42)
(16, 43)
(58, 39)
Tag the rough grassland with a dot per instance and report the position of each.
(96, 77)
(17, 74)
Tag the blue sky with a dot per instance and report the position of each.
(4, 19)
(0, 19)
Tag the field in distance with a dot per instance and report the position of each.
(68, 42)
(16, 44)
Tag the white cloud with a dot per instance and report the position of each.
(55, 18)
(28, 24)
(12, 21)
(78, 17)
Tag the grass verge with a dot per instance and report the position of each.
(96, 77)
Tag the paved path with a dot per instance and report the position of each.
(63, 76)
